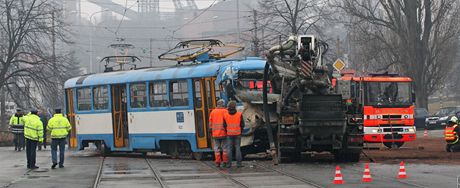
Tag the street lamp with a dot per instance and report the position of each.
(91, 39)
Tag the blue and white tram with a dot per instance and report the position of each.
(152, 109)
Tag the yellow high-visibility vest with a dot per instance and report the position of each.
(33, 128)
(59, 126)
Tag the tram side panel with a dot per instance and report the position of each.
(148, 128)
(94, 127)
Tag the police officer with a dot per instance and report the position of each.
(33, 131)
(17, 128)
(218, 133)
(234, 123)
(59, 127)
(451, 135)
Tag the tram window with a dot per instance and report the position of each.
(84, 99)
(158, 95)
(138, 95)
(198, 98)
(101, 98)
(179, 93)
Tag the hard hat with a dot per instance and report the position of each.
(453, 119)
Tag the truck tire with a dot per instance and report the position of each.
(393, 145)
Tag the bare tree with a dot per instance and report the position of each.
(417, 37)
(282, 18)
(29, 65)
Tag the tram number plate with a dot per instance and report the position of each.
(180, 117)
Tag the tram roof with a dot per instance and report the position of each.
(199, 70)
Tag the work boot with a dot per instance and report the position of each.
(34, 167)
(218, 165)
(228, 165)
(53, 166)
(61, 166)
(239, 165)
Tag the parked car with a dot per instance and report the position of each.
(440, 118)
(420, 116)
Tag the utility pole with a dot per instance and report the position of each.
(151, 55)
(338, 47)
(53, 38)
(255, 39)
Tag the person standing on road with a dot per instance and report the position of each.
(17, 128)
(451, 135)
(234, 123)
(59, 126)
(33, 131)
(216, 125)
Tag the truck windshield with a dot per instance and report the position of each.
(388, 94)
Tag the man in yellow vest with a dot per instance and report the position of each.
(59, 126)
(451, 135)
(33, 131)
(17, 128)
(234, 124)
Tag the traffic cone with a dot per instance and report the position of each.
(367, 174)
(338, 176)
(402, 171)
(425, 133)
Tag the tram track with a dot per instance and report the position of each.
(226, 175)
(99, 174)
(309, 182)
(156, 174)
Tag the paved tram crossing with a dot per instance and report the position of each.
(88, 169)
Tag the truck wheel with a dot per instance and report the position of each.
(393, 145)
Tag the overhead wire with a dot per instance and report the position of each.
(194, 18)
(124, 14)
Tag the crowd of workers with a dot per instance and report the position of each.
(30, 131)
(226, 125)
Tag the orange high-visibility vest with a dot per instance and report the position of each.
(450, 135)
(233, 123)
(216, 122)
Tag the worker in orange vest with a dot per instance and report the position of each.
(218, 133)
(234, 123)
(451, 135)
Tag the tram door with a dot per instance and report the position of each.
(120, 116)
(71, 116)
(204, 100)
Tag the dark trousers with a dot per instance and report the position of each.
(54, 147)
(31, 151)
(18, 141)
(234, 142)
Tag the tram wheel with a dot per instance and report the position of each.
(197, 156)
